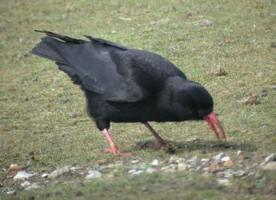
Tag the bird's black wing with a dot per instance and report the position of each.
(97, 65)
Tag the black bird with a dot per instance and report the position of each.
(128, 85)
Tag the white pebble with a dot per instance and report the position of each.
(219, 156)
(93, 174)
(44, 175)
(150, 170)
(22, 175)
(135, 171)
(134, 161)
(224, 182)
(25, 184)
(225, 158)
(155, 162)
(58, 172)
(269, 158)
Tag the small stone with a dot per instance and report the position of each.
(25, 184)
(239, 152)
(198, 168)
(224, 182)
(15, 168)
(269, 158)
(227, 173)
(135, 161)
(132, 171)
(271, 166)
(204, 160)
(214, 167)
(181, 166)
(44, 175)
(264, 125)
(93, 174)
(225, 158)
(205, 22)
(155, 162)
(228, 163)
(205, 169)
(11, 192)
(169, 168)
(240, 156)
(125, 18)
(135, 171)
(273, 86)
(193, 140)
(175, 159)
(219, 156)
(239, 173)
(251, 174)
(21, 175)
(33, 186)
(110, 166)
(151, 170)
(193, 162)
(75, 168)
(72, 114)
(59, 172)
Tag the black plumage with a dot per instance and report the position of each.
(126, 85)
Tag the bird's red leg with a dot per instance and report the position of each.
(113, 148)
(159, 141)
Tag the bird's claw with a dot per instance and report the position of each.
(115, 151)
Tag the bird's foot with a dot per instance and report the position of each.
(115, 151)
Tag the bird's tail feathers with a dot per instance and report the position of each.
(47, 48)
(52, 44)
(53, 47)
(61, 37)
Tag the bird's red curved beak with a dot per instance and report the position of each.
(215, 125)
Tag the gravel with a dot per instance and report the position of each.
(221, 166)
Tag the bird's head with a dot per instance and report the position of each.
(199, 104)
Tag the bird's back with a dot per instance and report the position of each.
(154, 65)
(118, 73)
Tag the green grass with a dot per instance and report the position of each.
(36, 100)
